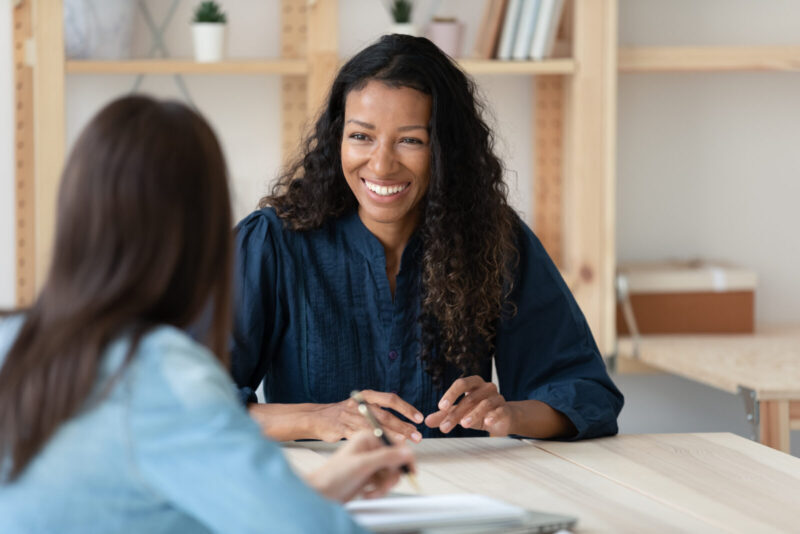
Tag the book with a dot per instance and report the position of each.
(507, 37)
(489, 31)
(544, 36)
(527, 23)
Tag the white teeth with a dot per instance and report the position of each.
(383, 190)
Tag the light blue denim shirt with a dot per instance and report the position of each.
(171, 449)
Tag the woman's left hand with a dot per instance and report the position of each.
(481, 408)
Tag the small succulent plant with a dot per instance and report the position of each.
(209, 12)
(401, 10)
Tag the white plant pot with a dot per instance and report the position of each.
(406, 28)
(209, 41)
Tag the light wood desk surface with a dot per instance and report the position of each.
(766, 364)
(628, 483)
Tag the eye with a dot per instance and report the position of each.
(358, 137)
(412, 141)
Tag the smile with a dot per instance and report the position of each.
(383, 190)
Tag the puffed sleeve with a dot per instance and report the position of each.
(546, 351)
(194, 446)
(255, 290)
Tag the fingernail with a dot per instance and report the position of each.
(416, 436)
(444, 404)
(418, 417)
(489, 421)
(445, 426)
(466, 421)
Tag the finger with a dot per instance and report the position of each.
(459, 387)
(435, 419)
(382, 486)
(391, 458)
(354, 421)
(475, 417)
(498, 421)
(461, 411)
(393, 401)
(396, 428)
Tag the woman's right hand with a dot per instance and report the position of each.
(332, 422)
(362, 466)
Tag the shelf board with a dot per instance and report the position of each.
(494, 66)
(709, 58)
(187, 66)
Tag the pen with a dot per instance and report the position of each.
(379, 433)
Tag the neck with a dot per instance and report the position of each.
(394, 237)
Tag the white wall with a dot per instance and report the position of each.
(708, 164)
(7, 250)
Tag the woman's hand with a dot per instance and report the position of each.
(333, 422)
(481, 408)
(363, 466)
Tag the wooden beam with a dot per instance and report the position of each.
(709, 58)
(322, 51)
(294, 110)
(49, 129)
(24, 192)
(548, 151)
(589, 187)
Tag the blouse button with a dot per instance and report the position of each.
(393, 355)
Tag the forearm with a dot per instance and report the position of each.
(536, 419)
(285, 422)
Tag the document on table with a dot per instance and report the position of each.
(442, 512)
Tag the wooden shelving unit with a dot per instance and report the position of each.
(575, 105)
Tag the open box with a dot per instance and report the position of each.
(685, 298)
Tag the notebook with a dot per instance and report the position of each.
(447, 514)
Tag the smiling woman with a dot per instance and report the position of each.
(387, 259)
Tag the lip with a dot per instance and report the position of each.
(375, 197)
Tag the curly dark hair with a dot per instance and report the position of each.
(466, 225)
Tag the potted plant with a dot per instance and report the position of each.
(401, 15)
(208, 31)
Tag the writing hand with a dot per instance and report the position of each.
(363, 466)
(333, 422)
(481, 408)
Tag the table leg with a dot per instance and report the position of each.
(774, 424)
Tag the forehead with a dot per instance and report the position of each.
(376, 100)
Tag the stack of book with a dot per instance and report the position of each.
(518, 29)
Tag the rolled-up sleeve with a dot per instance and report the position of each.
(195, 447)
(546, 352)
(255, 294)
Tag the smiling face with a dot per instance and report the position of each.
(386, 154)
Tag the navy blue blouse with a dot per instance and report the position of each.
(315, 319)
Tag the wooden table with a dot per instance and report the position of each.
(764, 368)
(630, 483)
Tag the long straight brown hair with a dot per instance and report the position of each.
(143, 239)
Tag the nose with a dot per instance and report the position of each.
(382, 160)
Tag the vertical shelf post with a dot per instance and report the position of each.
(49, 124)
(294, 28)
(322, 51)
(589, 185)
(24, 193)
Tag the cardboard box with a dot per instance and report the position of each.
(686, 298)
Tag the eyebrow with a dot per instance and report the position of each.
(372, 126)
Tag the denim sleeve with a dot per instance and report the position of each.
(254, 297)
(194, 446)
(546, 351)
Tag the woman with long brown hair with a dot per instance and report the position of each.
(113, 419)
(388, 259)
